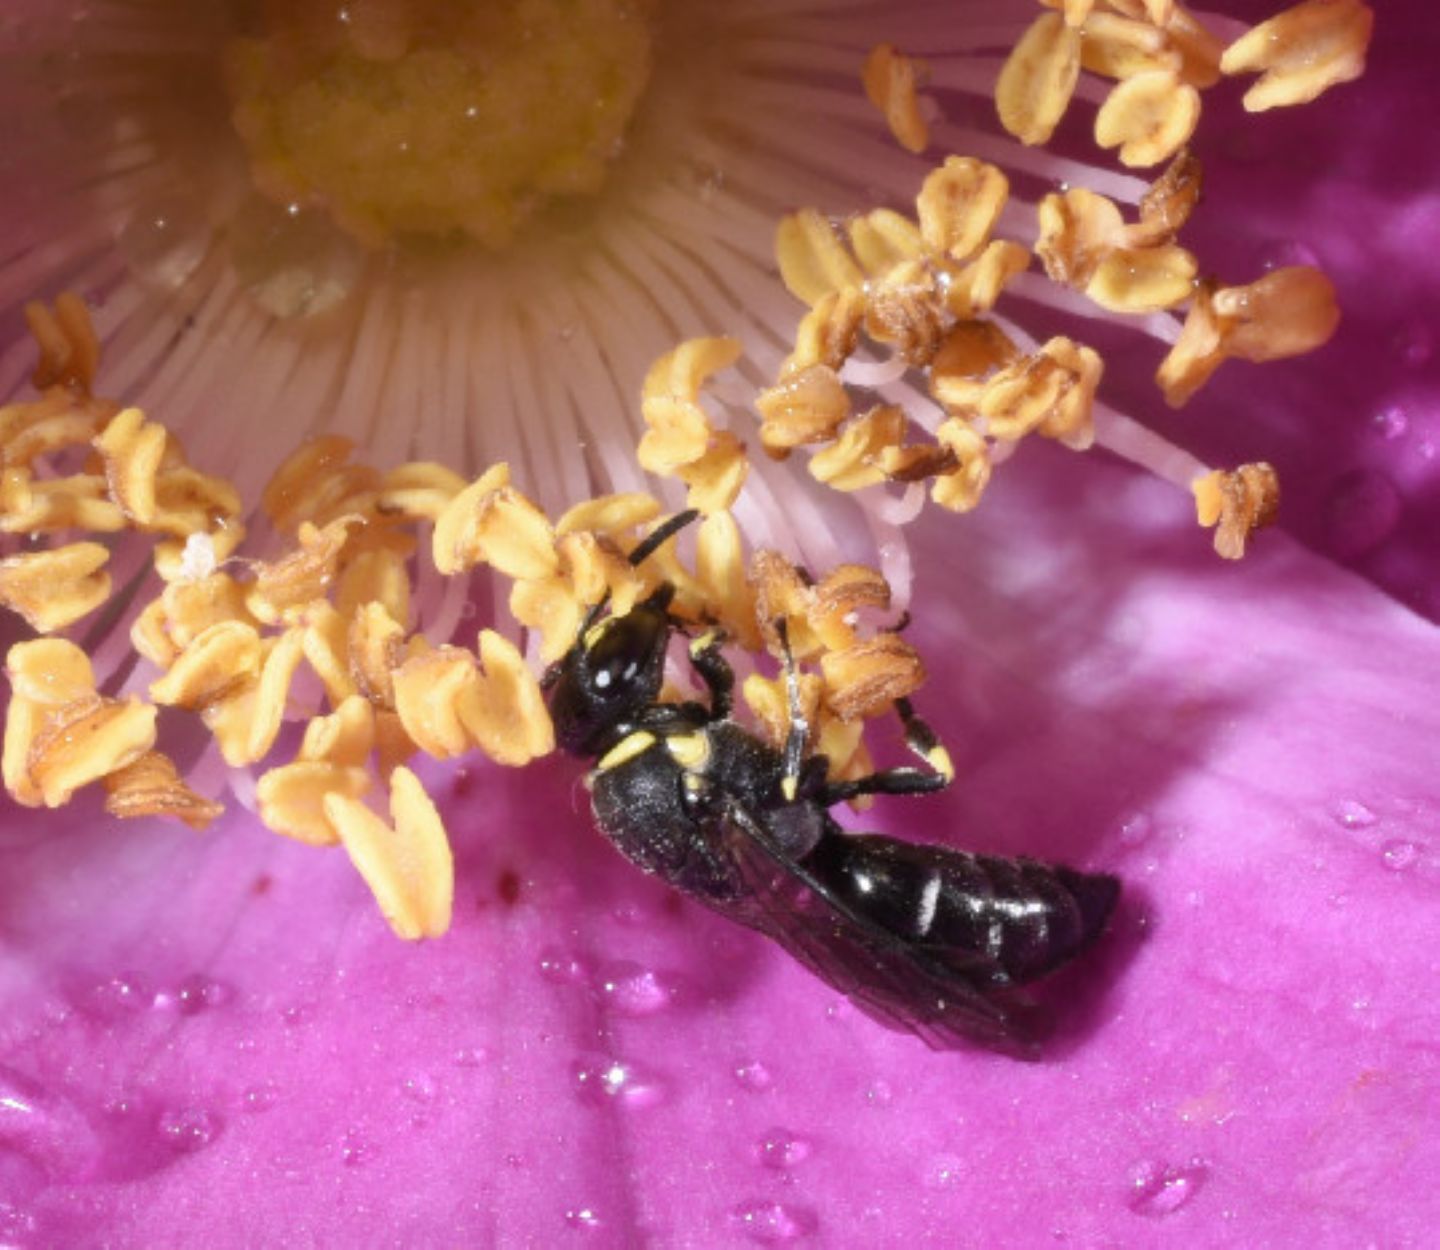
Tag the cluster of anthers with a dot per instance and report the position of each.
(248, 645)
(321, 634)
(1159, 54)
(923, 288)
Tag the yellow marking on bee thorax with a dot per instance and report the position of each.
(690, 751)
(626, 750)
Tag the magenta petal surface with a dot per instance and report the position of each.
(214, 1039)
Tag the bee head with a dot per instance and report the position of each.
(613, 672)
(615, 668)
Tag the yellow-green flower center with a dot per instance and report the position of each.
(432, 117)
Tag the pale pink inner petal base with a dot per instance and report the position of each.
(215, 1039)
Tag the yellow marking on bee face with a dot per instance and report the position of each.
(691, 751)
(939, 759)
(625, 750)
(789, 787)
(704, 642)
(595, 633)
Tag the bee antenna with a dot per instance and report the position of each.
(657, 538)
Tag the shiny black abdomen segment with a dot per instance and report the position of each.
(1005, 921)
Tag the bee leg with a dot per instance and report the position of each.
(715, 671)
(923, 742)
(797, 739)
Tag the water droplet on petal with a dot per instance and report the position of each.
(259, 1098)
(471, 1057)
(1361, 513)
(1157, 1189)
(418, 1086)
(1390, 423)
(1283, 253)
(1399, 854)
(17, 1225)
(122, 995)
(293, 263)
(598, 1080)
(773, 1223)
(188, 1128)
(1415, 344)
(754, 1075)
(780, 1150)
(1353, 815)
(563, 967)
(198, 993)
(50, 1132)
(634, 991)
(944, 1172)
(1135, 829)
(355, 1151)
(582, 1218)
(165, 240)
(880, 1094)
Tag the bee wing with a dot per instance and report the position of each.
(904, 986)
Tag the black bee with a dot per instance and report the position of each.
(922, 938)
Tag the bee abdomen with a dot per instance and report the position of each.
(1007, 920)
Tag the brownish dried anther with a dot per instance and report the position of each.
(1237, 502)
(922, 287)
(152, 786)
(1085, 243)
(1051, 392)
(862, 670)
(60, 733)
(805, 408)
(69, 346)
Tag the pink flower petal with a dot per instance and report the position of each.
(214, 1039)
